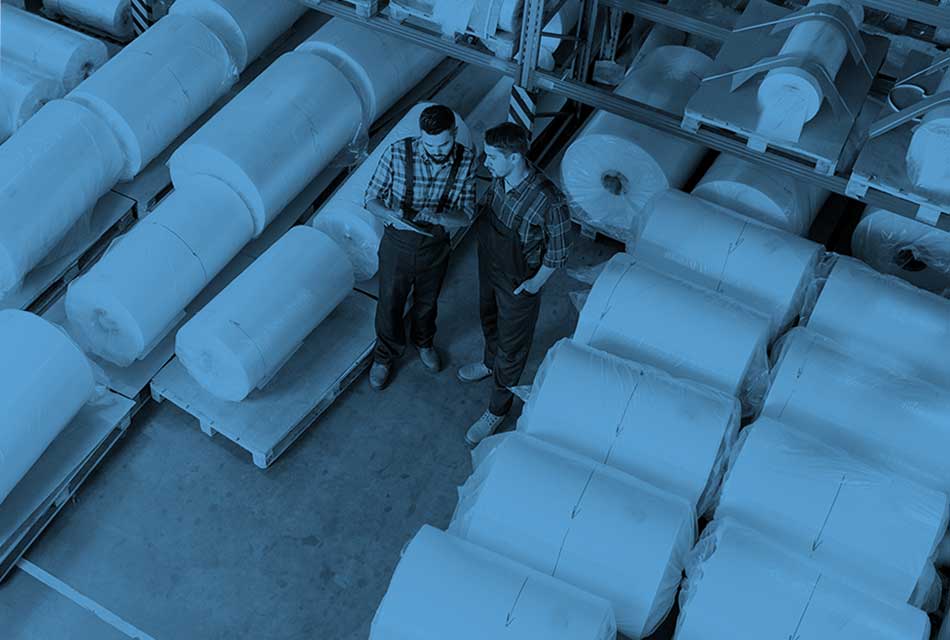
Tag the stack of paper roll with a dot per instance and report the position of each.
(884, 322)
(894, 422)
(900, 246)
(674, 434)
(867, 527)
(509, 19)
(761, 267)
(343, 217)
(46, 381)
(113, 17)
(616, 165)
(689, 331)
(447, 587)
(928, 155)
(592, 526)
(773, 197)
(22, 94)
(246, 28)
(741, 586)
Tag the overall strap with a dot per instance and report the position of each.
(453, 176)
(408, 195)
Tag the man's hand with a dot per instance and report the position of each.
(449, 220)
(531, 286)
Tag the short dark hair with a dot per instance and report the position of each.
(509, 137)
(436, 118)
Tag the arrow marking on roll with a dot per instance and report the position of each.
(795, 635)
(818, 541)
(510, 618)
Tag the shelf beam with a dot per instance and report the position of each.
(661, 14)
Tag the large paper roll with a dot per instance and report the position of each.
(867, 527)
(674, 434)
(772, 197)
(48, 48)
(592, 526)
(690, 332)
(899, 246)
(928, 158)
(110, 16)
(509, 19)
(240, 339)
(246, 27)
(22, 94)
(158, 85)
(138, 291)
(885, 322)
(52, 171)
(761, 267)
(46, 381)
(447, 587)
(896, 423)
(741, 586)
(615, 165)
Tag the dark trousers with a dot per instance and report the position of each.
(408, 262)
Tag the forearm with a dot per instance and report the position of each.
(541, 277)
(378, 208)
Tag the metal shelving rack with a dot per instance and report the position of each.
(573, 84)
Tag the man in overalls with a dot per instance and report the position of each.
(523, 237)
(421, 186)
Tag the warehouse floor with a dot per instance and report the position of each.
(182, 537)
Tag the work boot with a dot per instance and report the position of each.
(474, 372)
(486, 425)
(430, 358)
(379, 376)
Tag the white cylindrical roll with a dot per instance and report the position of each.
(788, 97)
(870, 528)
(741, 586)
(22, 94)
(134, 295)
(447, 587)
(674, 434)
(594, 527)
(249, 330)
(509, 19)
(615, 165)
(157, 86)
(885, 322)
(52, 171)
(897, 423)
(900, 246)
(772, 197)
(380, 67)
(638, 313)
(700, 242)
(109, 16)
(355, 229)
(246, 27)
(288, 133)
(46, 381)
(928, 155)
(46, 47)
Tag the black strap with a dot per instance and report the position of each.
(408, 196)
(453, 175)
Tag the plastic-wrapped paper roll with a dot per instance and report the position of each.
(138, 291)
(761, 267)
(379, 66)
(343, 217)
(157, 86)
(772, 197)
(899, 246)
(46, 381)
(928, 158)
(52, 171)
(870, 528)
(741, 586)
(790, 96)
(893, 422)
(447, 587)
(594, 527)
(110, 16)
(247, 332)
(49, 48)
(289, 132)
(615, 165)
(246, 27)
(690, 332)
(22, 94)
(885, 322)
(674, 434)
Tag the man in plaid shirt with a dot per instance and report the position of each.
(423, 187)
(524, 235)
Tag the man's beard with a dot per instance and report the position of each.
(437, 159)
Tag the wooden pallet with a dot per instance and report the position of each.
(268, 421)
(503, 44)
(59, 473)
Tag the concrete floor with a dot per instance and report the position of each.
(184, 538)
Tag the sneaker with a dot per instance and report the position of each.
(430, 358)
(379, 376)
(474, 372)
(486, 425)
